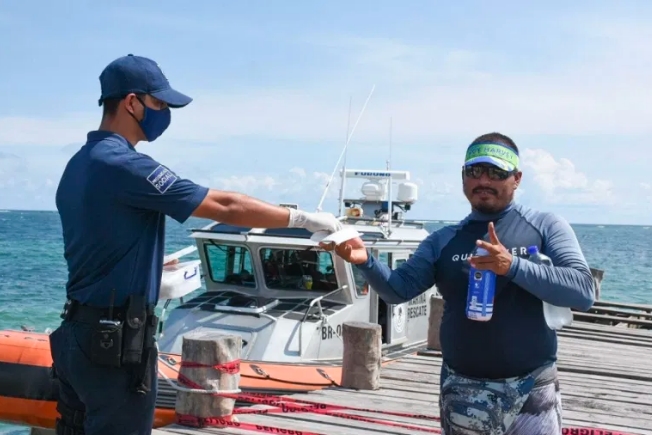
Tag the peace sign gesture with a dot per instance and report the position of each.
(499, 259)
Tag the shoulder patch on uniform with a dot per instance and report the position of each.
(162, 178)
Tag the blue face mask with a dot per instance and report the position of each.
(154, 122)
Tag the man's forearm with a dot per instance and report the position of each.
(568, 283)
(411, 279)
(560, 286)
(378, 275)
(238, 209)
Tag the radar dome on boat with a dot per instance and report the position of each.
(373, 190)
(407, 192)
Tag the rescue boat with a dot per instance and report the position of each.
(286, 297)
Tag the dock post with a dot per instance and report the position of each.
(434, 322)
(361, 361)
(209, 361)
(598, 275)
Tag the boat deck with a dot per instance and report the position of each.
(605, 375)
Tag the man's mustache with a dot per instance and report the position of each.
(485, 189)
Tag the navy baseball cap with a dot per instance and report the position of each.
(139, 75)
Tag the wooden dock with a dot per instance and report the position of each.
(618, 314)
(605, 374)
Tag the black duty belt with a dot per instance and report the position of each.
(76, 312)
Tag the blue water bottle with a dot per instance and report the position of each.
(480, 295)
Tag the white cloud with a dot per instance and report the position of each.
(561, 183)
(646, 189)
(599, 82)
(295, 185)
(300, 172)
(429, 90)
(46, 131)
(436, 188)
(28, 182)
(245, 184)
(551, 182)
(395, 61)
(434, 90)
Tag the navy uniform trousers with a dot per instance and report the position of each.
(94, 399)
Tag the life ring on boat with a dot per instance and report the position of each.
(28, 392)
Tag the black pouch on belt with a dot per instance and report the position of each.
(143, 378)
(135, 329)
(106, 339)
(143, 381)
(106, 343)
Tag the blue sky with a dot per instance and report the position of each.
(570, 82)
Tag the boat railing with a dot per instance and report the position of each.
(322, 316)
(252, 311)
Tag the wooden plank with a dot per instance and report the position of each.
(642, 307)
(610, 339)
(620, 331)
(576, 393)
(400, 370)
(613, 320)
(597, 328)
(579, 366)
(621, 312)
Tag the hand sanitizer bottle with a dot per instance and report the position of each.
(556, 317)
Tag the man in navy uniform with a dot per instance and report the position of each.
(113, 202)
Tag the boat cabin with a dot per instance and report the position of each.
(288, 298)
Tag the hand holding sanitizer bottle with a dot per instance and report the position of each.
(556, 317)
(481, 292)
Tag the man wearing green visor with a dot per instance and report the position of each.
(499, 376)
(495, 154)
(499, 162)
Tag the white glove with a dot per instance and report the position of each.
(314, 222)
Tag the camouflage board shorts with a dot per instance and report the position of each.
(526, 405)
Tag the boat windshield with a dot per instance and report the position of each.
(230, 264)
(298, 269)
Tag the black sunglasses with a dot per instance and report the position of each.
(494, 173)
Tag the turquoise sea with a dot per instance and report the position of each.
(33, 271)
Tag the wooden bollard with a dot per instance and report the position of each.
(209, 361)
(598, 275)
(361, 361)
(434, 322)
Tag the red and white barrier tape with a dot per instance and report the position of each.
(291, 405)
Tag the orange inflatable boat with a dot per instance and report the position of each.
(28, 391)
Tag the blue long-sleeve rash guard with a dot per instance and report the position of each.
(517, 339)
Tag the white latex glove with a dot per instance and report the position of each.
(314, 222)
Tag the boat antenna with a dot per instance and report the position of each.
(348, 139)
(348, 124)
(389, 182)
(389, 159)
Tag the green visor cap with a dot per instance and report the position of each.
(498, 155)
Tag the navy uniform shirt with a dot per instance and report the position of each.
(516, 340)
(112, 201)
